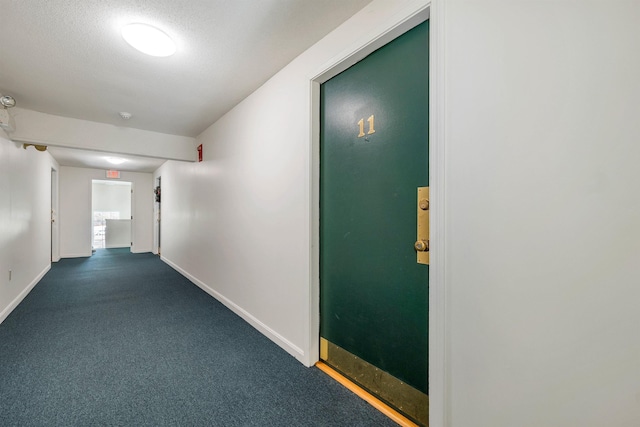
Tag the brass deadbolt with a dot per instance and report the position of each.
(424, 204)
(421, 245)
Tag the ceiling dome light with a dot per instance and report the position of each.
(148, 39)
(116, 160)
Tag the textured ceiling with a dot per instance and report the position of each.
(67, 57)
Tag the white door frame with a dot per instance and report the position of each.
(438, 341)
(157, 235)
(55, 231)
(132, 208)
(134, 217)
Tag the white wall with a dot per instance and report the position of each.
(541, 241)
(112, 196)
(543, 213)
(239, 223)
(25, 231)
(117, 233)
(75, 210)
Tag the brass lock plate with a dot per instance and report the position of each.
(422, 240)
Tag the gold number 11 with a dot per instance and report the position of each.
(371, 127)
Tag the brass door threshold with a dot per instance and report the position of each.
(365, 395)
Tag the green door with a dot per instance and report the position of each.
(373, 157)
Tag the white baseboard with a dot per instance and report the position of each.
(8, 309)
(286, 345)
(140, 251)
(77, 255)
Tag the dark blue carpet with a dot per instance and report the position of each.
(122, 339)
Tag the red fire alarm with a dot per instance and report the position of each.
(200, 152)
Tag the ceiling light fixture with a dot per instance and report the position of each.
(148, 39)
(116, 160)
(125, 115)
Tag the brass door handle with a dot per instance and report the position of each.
(422, 239)
(421, 245)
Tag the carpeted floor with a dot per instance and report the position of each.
(121, 339)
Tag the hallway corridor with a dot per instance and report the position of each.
(123, 339)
